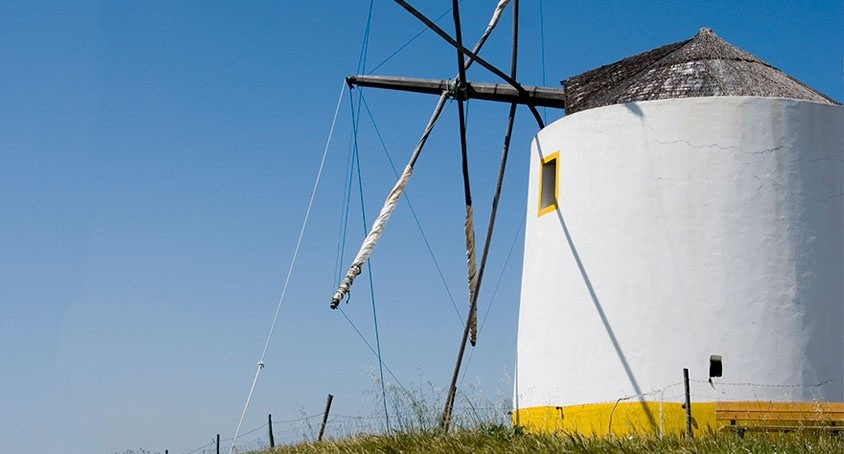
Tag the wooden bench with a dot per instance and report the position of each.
(780, 416)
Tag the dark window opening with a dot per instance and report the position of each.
(716, 368)
(548, 189)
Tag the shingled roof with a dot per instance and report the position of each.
(705, 65)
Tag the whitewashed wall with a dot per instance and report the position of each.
(687, 228)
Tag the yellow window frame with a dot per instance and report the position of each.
(555, 156)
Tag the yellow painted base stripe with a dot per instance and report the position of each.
(622, 418)
(664, 418)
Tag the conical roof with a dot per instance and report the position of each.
(705, 65)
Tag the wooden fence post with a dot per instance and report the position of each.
(218, 443)
(325, 417)
(688, 404)
(270, 425)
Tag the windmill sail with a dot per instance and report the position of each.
(395, 194)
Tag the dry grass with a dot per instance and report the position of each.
(496, 439)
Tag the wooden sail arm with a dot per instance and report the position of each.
(533, 96)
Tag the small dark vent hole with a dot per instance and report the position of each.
(716, 367)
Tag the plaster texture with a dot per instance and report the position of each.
(686, 228)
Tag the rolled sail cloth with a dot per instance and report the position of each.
(372, 238)
(496, 15)
(471, 268)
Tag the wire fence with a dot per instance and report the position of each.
(408, 413)
(420, 410)
(661, 404)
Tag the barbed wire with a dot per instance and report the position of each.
(425, 415)
(764, 385)
(303, 418)
(714, 384)
(202, 447)
(342, 425)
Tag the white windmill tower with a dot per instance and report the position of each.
(687, 212)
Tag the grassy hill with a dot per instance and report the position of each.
(497, 439)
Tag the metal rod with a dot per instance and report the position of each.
(472, 55)
(218, 443)
(688, 404)
(325, 417)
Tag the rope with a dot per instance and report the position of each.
(344, 209)
(401, 48)
(356, 122)
(503, 269)
(372, 293)
(368, 345)
(494, 294)
(365, 45)
(413, 212)
(542, 54)
(473, 56)
(290, 269)
(352, 148)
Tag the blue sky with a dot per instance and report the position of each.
(156, 160)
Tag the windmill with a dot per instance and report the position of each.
(698, 221)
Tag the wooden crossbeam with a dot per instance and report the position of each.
(532, 96)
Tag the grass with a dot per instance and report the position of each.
(499, 438)
(481, 426)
